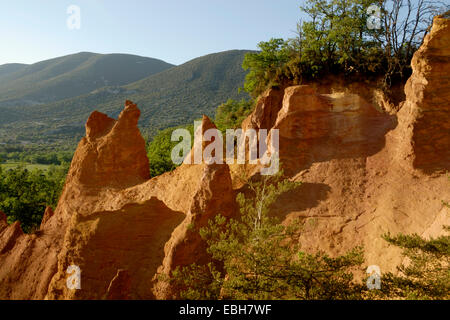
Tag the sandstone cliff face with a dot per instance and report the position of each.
(266, 110)
(113, 222)
(365, 168)
(424, 120)
(318, 124)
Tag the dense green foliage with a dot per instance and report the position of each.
(426, 275)
(256, 257)
(24, 194)
(160, 150)
(229, 115)
(33, 155)
(265, 67)
(340, 37)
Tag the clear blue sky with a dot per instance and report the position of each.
(172, 30)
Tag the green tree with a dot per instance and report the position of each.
(230, 114)
(265, 65)
(24, 194)
(333, 40)
(426, 272)
(160, 149)
(256, 257)
(336, 38)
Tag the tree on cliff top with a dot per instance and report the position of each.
(369, 38)
(265, 66)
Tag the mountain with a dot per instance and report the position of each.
(182, 94)
(9, 68)
(172, 97)
(71, 76)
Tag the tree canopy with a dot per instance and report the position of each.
(25, 194)
(160, 150)
(365, 38)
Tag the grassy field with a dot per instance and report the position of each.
(29, 166)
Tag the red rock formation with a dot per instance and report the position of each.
(9, 237)
(27, 262)
(199, 143)
(319, 122)
(113, 152)
(47, 215)
(113, 222)
(358, 172)
(3, 223)
(317, 127)
(142, 229)
(213, 195)
(424, 120)
(266, 110)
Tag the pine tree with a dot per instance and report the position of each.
(426, 272)
(256, 257)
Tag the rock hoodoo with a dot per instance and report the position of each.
(424, 120)
(120, 227)
(112, 153)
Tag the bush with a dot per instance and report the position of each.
(230, 114)
(24, 194)
(426, 275)
(256, 257)
(160, 149)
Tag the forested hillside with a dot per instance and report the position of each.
(71, 76)
(173, 97)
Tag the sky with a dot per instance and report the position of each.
(175, 31)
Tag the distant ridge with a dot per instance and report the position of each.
(174, 96)
(70, 76)
(6, 69)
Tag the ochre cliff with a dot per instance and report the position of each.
(424, 119)
(366, 170)
(113, 222)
